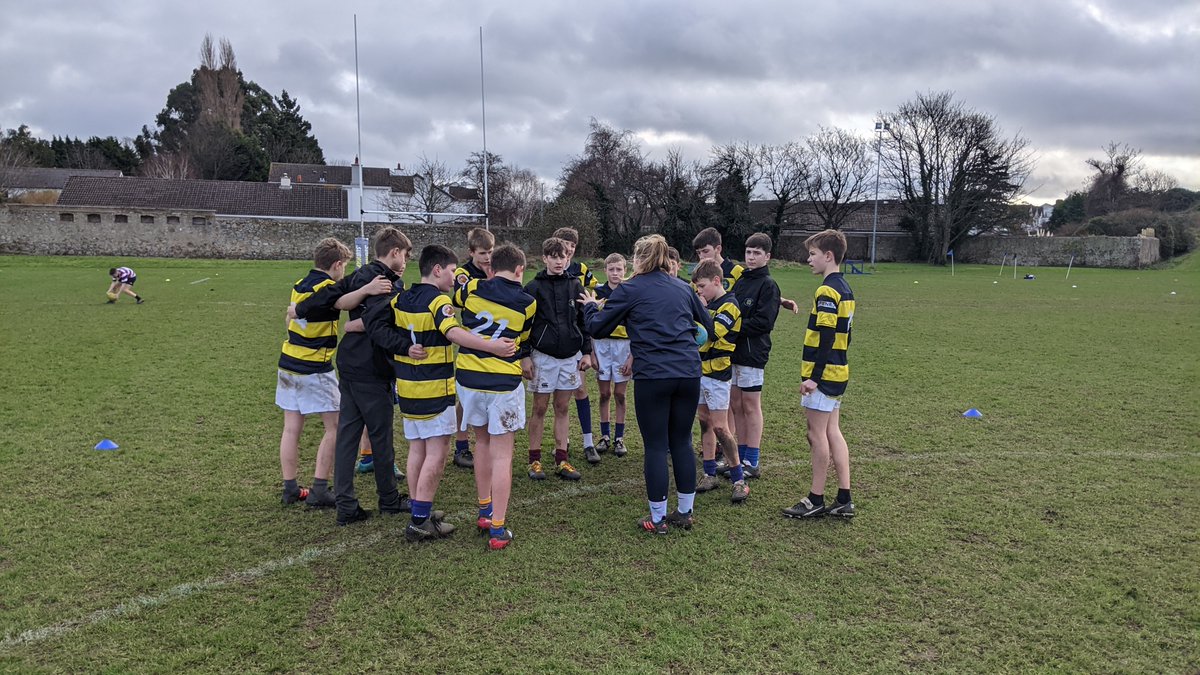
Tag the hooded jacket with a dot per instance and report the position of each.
(758, 296)
(558, 324)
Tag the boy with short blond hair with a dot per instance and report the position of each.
(583, 404)
(490, 387)
(559, 343)
(716, 373)
(826, 371)
(614, 364)
(480, 244)
(306, 383)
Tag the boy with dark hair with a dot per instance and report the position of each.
(614, 363)
(673, 261)
(490, 387)
(716, 372)
(365, 377)
(758, 297)
(559, 343)
(419, 328)
(306, 383)
(583, 404)
(480, 243)
(123, 279)
(826, 371)
(707, 245)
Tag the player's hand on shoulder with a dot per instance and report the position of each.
(379, 286)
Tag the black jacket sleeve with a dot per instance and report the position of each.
(701, 315)
(323, 299)
(381, 327)
(761, 320)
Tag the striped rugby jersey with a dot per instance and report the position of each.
(827, 339)
(727, 323)
(124, 275)
(730, 273)
(580, 271)
(619, 333)
(466, 272)
(426, 387)
(493, 308)
(311, 342)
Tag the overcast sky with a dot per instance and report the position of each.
(1069, 76)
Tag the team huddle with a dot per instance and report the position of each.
(453, 352)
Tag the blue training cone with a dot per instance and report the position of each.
(106, 445)
(973, 414)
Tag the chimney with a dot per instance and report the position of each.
(285, 183)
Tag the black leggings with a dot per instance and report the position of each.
(666, 410)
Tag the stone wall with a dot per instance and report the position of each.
(59, 230)
(889, 246)
(1129, 252)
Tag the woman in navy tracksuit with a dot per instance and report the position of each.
(660, 313)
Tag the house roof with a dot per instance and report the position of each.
(461, 192)
(224, 197)
(41, 178)
(338, 175)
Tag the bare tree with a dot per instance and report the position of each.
(12, 159)
(527, 197)
(740, 157)
(954, 171)
(1110, 184)
(786, 170)
(431, 177)
(1154, 181)
(219, 85)
(168, 165)
(841, 175)
(611, 176)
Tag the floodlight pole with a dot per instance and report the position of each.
(362, 229)
(880, 127)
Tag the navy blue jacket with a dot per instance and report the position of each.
(660, 313)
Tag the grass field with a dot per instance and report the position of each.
(1058, 532)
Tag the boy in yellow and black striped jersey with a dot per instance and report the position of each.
(480, 244)
(490, 387)
(826, 371)
(716, 370)
(419, 329)
(306, 383)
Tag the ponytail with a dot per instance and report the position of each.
(650, 255)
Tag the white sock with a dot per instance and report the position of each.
(686, 500)
(658, 510)
(587, 440)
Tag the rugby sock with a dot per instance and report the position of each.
(710, 467)
(817, 500)
(843, 496)
(459, 446)
(485, 508)
(291, 486)
(320, 485)
(735, 473)
(686, 500)
(535, 455)
(620, 430)
(604, 428)
(497, 528)
(751, 455)
(658, 510)
(560, 456)
(742, 451)
(364, 452)
(583, 406)
(420, 511)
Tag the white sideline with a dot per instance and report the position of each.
(308, 555)
(199, 281)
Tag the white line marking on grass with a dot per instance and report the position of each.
(308, 555)
(200, 281)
